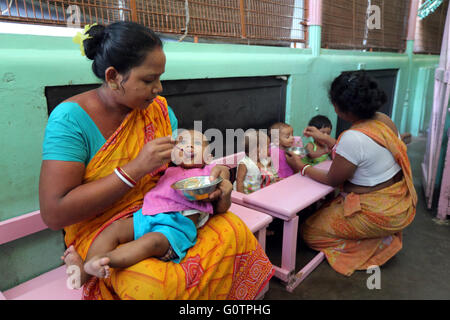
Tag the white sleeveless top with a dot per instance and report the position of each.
(375, 164)
(252, 180)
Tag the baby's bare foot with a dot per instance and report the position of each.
(74, 268)
(98, 267)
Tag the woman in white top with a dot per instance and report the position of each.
(362, 226)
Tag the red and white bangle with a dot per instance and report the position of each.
(124, 177)
(304, 168)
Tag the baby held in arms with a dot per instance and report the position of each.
(255, 170)
(166, 226)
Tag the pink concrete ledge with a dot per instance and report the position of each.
(48, 286)
(21, 226)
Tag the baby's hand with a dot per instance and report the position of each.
(224, 200)
(226, 187)
(218, 171)
(223, 190)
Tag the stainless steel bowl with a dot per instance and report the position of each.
(300, 151)
(196, 188)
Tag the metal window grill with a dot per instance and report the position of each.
(59, 12)
(345, 25)
(245, 21)
(429, 31)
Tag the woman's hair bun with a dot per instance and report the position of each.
(122, 45)
(356, 92)
(93, 43)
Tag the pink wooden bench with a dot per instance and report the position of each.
(48, 286)
(52, 285)
(284, 200)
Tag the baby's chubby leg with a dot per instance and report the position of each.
(105, 252)
(97, 261)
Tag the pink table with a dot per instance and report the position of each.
(284, 200)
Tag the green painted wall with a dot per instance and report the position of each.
(29, 63)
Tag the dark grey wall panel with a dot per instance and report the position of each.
(225, 103)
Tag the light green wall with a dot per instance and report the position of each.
(29, 63)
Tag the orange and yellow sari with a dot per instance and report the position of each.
(227, 261)
(357, 231)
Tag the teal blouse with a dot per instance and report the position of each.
(71, 134)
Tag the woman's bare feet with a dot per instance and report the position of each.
(98, 267)
(74, 268)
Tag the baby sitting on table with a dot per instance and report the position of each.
(282, 138)
(255, 170)
(166, 226)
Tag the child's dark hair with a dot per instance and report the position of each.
(357, 93)
(320, 122)
(122, 45)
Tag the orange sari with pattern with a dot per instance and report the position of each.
(227, 261)
(362, 230)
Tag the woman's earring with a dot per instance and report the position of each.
(113, 86)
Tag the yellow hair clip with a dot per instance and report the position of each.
(80, 37)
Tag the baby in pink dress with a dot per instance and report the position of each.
(163, 198)
(281, 135)
(166, 226)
